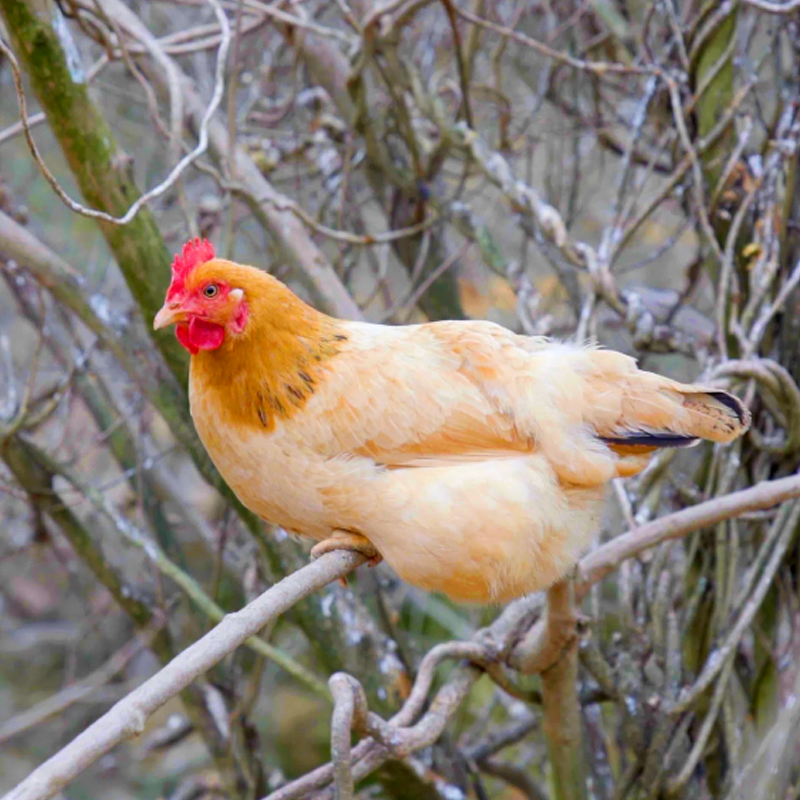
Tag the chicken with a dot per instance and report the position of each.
(472, 459)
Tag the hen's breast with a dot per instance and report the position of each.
(276, 474)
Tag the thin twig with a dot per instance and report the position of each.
(77, 691)
(178, 169)
(599, 68)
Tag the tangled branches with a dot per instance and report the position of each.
(602, 171)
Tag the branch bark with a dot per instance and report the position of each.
(562, 711)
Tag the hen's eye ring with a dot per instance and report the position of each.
(210, 290)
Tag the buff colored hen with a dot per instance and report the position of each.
(472, 459)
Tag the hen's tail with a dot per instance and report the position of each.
(635, 412)
(677, 415)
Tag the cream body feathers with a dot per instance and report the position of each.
(474, 459)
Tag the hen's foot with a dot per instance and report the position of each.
(344, 540)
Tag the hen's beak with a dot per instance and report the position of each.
(168, 315)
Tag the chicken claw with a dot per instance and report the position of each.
(345, 540)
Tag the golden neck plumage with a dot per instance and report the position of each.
(271, 370)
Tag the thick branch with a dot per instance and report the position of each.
(562, 711)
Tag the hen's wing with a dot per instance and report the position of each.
(405, 397)
(453, 392)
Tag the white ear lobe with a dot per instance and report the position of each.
(237, 294)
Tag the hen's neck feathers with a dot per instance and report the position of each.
(270, 370)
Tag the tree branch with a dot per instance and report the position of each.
(128, 717)
(562, 711)
(595, 566)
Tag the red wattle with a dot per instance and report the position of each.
(182, 332)
(199, 335)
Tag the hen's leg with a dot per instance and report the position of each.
(346, 540)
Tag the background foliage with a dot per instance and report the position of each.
(609, 169)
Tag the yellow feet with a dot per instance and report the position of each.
(344, 540)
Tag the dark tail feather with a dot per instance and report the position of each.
(643, 439)
(734, 404)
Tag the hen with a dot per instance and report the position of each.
(472, 459)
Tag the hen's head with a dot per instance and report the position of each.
(205, 300)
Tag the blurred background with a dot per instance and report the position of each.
(608, 170)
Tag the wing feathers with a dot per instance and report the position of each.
(448, 393)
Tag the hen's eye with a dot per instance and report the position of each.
(210, 290)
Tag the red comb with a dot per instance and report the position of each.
(194, 252)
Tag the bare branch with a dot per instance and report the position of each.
(127, 718)
(80, 689)
(599, 68)
(608, 557)
(774, 8)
